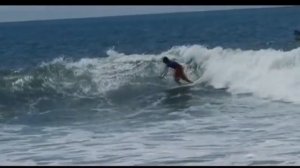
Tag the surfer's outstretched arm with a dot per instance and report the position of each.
(164, 73)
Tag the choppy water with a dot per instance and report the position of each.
(88, 92)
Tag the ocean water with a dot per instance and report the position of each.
(88, 92)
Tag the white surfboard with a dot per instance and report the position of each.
(188, 84)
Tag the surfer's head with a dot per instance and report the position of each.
(166, 59)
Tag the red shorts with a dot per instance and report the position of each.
(179, 72)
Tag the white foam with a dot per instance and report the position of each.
(266, 73)
(20, 82)
(107, 73)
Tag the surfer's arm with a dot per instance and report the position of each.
(164, 73)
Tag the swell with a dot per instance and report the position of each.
(133, 80)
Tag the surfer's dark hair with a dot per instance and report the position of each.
(165, 59)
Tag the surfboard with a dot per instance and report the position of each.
(188, 84)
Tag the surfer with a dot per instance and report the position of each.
(178, 70)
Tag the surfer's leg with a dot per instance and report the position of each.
(177, 76)
(177, 81)
(183, 76)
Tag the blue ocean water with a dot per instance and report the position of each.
(88, 92)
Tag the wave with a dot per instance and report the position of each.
(266, 73)
(66, 82)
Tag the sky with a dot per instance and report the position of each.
(26, 13)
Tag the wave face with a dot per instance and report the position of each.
(121, 79)
(266, 73)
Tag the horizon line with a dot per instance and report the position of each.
(139, 14)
